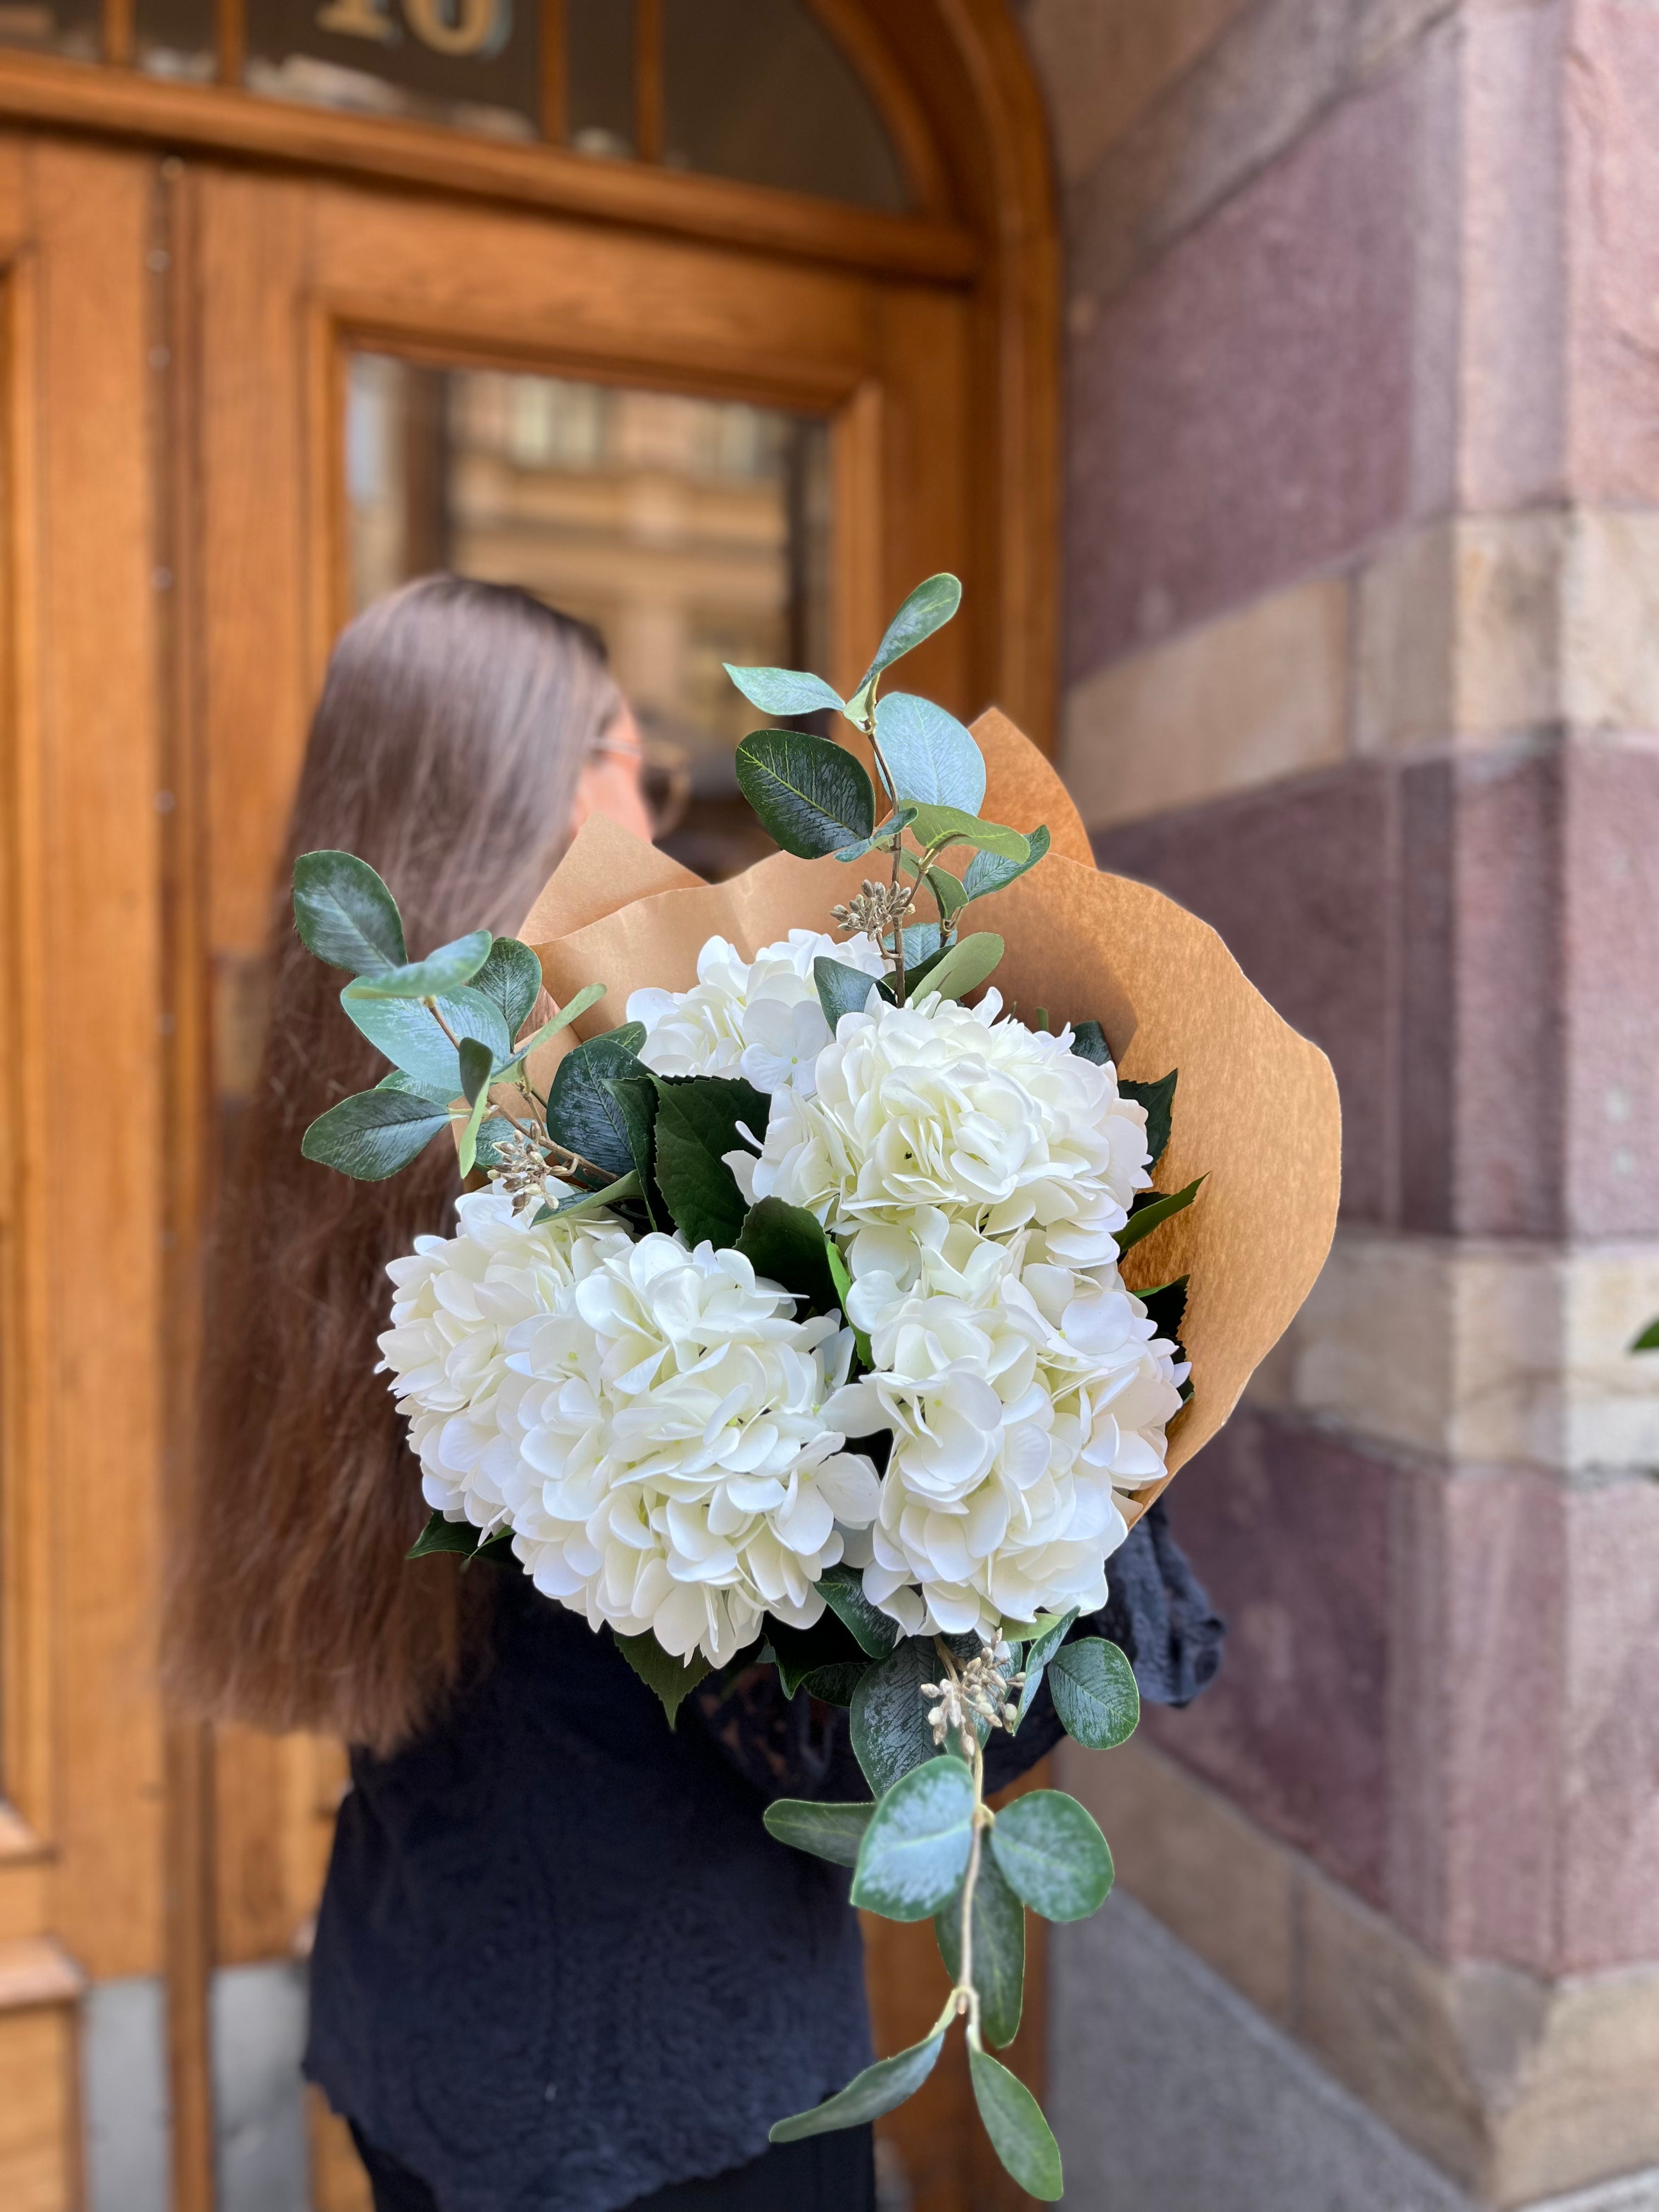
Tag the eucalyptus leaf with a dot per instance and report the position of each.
(930, 756)
(1019, 2135)
(589, 996)
(371, 1136)
(345, 915)
(438, 1095)
(1158, 1099)
(967, 964)
(868, 2096)
(1095, 1694)
(844, 990)
(669, 1678)
(843, 1591)
(828, 1831)
(915, 1849)
(408, 1032)
(636, 1108)
(441, 972)
(924, 948)
(1050, 1851)
(614, 1193)
(936, 827)
(784, 1243)
(843, 1283)
(999, 1949)
(837, 1683)
(512, 977)
(475, 1088)
(784, 691)
(582, 1113)
(812, 797)
(697, 1124)
(991, 871)
(1051, 1630)
(1152, 1210)
(889, 1730)
(926, 609)
(442, 1534)
(900, 820)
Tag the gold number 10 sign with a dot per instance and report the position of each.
(470, 27)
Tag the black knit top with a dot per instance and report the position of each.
(561, 1963)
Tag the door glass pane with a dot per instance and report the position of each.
(688, 531)
(62, 26)
(598, 76)
(176, 38)
(764, 93)
(475, 64)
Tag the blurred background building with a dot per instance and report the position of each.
(1282, 378)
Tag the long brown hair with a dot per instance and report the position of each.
(454, 721)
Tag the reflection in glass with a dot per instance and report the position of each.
(765, 94)
(60, 27)
(689, 531)
(176, 38)
(598, 76)
(475, 64)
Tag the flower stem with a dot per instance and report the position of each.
(964, 1998)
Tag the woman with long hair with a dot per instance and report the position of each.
(559, 1965)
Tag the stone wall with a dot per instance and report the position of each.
(1363, 638)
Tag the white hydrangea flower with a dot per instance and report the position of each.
(675, 1471)
(455, 1300)
(758, 1018)
(1020, 1395)
(943, 1106)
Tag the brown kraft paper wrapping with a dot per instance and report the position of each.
(1255, 1110)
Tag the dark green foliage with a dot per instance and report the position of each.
(828, 1831)
(1051, 1630)
(991, 872)
(442, 1536)
(345, 915)
(371, 1136)
(1158, 1099)
(868, 2096)
(999, 1949)
(842, 1590)
(670, 1679)
(1095, 1694)
(1165, 1306)
(1089, 1042)
(1151, 1209)
(697, 1118)
(844, 990)
(440, 973)
(636, 1108)
(890, 1734)
(915, 1849)
(1052, 1854)
(1019, 2135)
(784, 691)
(511, 977)
(784, 1243)
(811, 796)
(405, 1031)
(967, 964)
(583, 1114)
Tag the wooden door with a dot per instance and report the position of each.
(282, 280)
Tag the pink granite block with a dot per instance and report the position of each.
(1289, 1530)
(1240, 412)
(1610, 1779)
(1613, 246)
(1299, 881)
(1610, 966)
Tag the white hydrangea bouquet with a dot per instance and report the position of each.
(814, 1317)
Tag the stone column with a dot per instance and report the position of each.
(1362, 626)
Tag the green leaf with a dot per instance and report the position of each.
(345, 915)
(837, 1683)
(670, 1678)
(589, 996)
(970, 960)
(475, 1087)
(991, 872)
(930, 755)
(868, 2096)
(1019, 2135)
(928, 608)
(407, 1084)
(1166, 1307)
(1158, 1099)
(811, 796)
(1089, 1042)
(1093, 1687)
(636, 1104)
(844, 990)
(697, 1119)
(1051, 1630)
(889, 1730)
(441, 972)
(828, 1831)
(1649, 1340)
(936, 827)
(1052, 1854)
(511, 977)
(625, 1186)
(440, 1535)
(843, 1591)
(1151, 1209)
(784, 691)
(371, 1136)
(999, 1949)
(914, 1852)
(899, 819)
(784, 1243)
(582, 1113)
(407, 1032)
(799, 1653)
(843, 1283)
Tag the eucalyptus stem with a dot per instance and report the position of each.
(964, 1998)
(898, 924)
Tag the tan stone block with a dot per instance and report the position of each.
(1405, 643)
(1236, 703)
(1611, 618)
(1584, 2104)
(1213, 1877)
(1104, 62)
